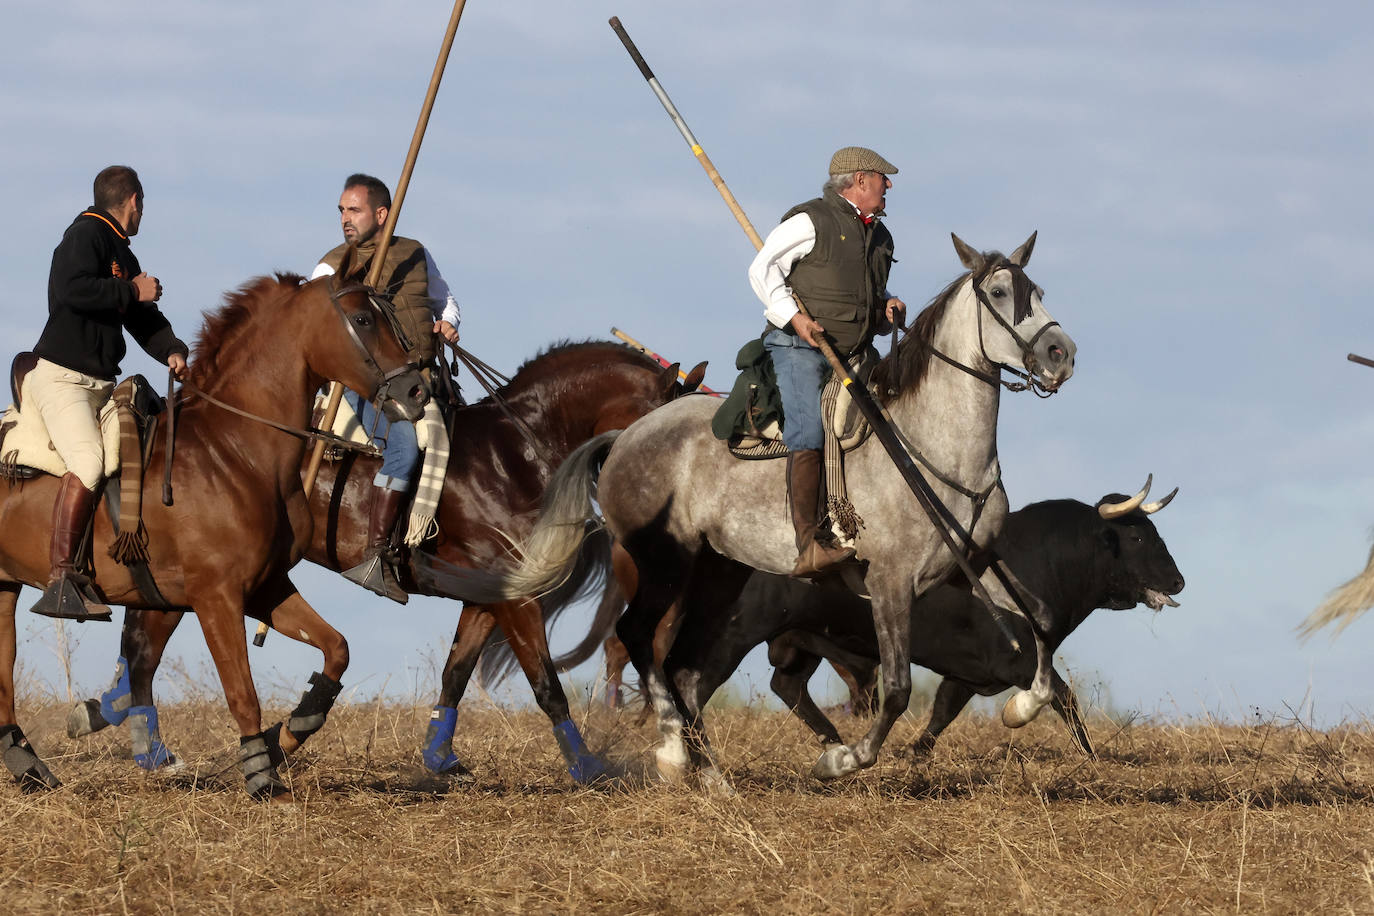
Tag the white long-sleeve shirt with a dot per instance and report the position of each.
(787, 244)
(441, 300)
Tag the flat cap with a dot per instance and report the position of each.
(859, 159)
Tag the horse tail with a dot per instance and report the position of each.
(603, 627)
(549, 557)
(1344, 604)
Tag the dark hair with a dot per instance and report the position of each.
(114, 185)
(377, 193)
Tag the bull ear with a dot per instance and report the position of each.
(1021, 256)
(351, 267)
(969, 257)
(667, 379)
(694, 378)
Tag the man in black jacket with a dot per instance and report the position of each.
(96, 290)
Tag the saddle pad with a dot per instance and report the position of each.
(27, 444)
(846, 422)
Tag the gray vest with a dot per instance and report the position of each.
(842, 280)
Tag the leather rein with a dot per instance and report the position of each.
(381, 391)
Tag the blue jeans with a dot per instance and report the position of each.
(400, 450)
(801, 372)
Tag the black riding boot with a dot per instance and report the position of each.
(69, 593)
(805, 495)
(376, 572)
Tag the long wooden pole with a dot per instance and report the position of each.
(374, 273)
(943, 520)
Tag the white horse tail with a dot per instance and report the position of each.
(1344, 604)
(552, 554)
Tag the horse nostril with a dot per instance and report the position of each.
(1057, 354)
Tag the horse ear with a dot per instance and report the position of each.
(351, 267)
(967, 255)
(694, 378)
(1021, 256)
(667, 379)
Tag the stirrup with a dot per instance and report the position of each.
(818, 560)
(376, 575)
(67, 599)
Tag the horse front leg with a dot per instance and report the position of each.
(475, 626)
(892, 620)
(638, 629)
(290, 614)
(1024, 705)
(130, 696)
(20, 759)
(523, 623)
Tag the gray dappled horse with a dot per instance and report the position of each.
(696, 520)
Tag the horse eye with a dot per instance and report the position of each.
(998, 292)
(362, 320)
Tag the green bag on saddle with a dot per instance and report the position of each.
(753, 402)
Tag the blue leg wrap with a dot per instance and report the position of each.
(149, 751)
(583, 766)
(438, 750)
(115, 702)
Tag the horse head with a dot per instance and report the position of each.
(1020, 332)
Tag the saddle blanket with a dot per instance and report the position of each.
(432, 436)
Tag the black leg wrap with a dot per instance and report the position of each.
(309, 715)
(30, 772)
(256, 760)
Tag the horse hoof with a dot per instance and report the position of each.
(1021, 707)
(715, 783)
(835, 762)
(589, 770)
(85, 719)
(672, 764)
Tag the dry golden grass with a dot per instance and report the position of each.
(1171, 818)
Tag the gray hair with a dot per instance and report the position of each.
(840, 182)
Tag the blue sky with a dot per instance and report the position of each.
(1198, 176)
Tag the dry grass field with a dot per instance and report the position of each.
(1272, 817)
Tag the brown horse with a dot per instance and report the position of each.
(495, 480)
(239, 520)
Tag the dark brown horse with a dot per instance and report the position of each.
(496, 478)
(240, 519)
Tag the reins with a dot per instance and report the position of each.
(485, 376)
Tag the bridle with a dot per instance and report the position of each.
(1022, 288)
(382, 390)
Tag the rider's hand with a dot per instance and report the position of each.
(149, 289)
(177, 363)
(808, 329)
(895, 306)
(446, 331)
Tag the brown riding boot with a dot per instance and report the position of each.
(68, 594)
(375, 572)
(805, 495)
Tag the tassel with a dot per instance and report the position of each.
(131, 547)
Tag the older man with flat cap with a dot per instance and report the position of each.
(834, 254)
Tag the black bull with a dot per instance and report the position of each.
(1062, 550)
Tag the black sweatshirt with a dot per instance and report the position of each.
(91, 299)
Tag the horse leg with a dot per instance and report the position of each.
(792, 670)
(637, 629)
(523, 623)
(290, 614)
(1024, 705)
(862, 682)
(221, 621)
(617, 657)
(475, 626)
(892, 622)
(1066, 704)
(950, 699)
(20, 759)
(141, 644)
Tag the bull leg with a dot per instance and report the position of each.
(19, 756)
(1066, 704)
(282, 606)
(950, 699)
(793, 668)
(475, 627)
(892, 621)
(523, 623)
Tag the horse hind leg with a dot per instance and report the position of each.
(24, 764)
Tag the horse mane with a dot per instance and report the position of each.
(891, 380)
(223, 326)
(547, 362)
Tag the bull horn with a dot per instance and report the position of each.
(1116, 510)
(1152, 508)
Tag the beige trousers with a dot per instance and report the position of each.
(69, 403)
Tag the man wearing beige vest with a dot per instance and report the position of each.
(426, 308)
(834, 254)
(96, 291)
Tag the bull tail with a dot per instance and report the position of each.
(549, 557)
(1344, 604)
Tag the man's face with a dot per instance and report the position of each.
(870, 192)
(359, 220)
(135, 214)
